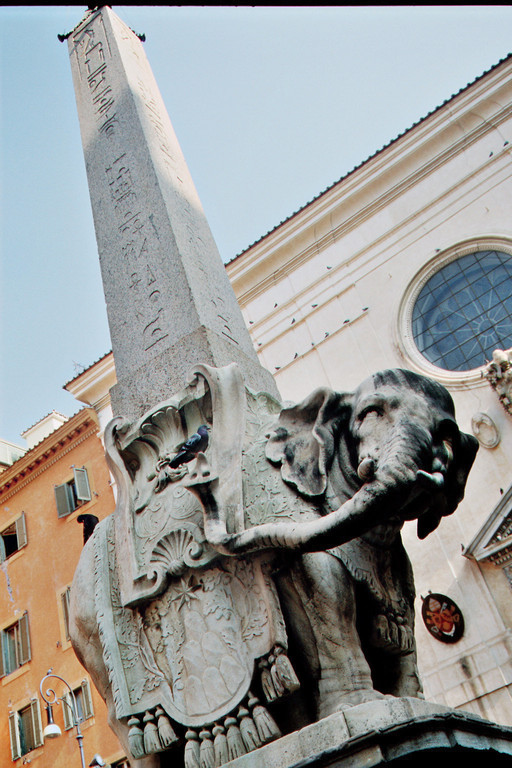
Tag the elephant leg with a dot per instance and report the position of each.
(319, 604)
(406, 679)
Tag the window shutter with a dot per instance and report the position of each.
(21, 531)
(36, 723)
(3, 554)
(65, 610)
(64, 499)
(2, 654)
(87, 699)
(14, 734)
(67, 711)
(83, 491)
(24, 644)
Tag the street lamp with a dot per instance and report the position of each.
(52, 730)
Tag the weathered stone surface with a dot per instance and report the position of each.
(170, 304)
(391, 732)
(202, 598)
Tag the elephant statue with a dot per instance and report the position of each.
(389, 452)
(293, 514)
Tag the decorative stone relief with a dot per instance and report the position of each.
(485, 430)
(499, 375)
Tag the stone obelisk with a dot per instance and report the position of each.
(169, 301)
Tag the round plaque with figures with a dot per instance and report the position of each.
(443, 618)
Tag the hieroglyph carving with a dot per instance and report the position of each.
(278, 544)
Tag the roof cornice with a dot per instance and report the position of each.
(50, 449)
(443, 133)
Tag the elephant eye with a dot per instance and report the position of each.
(377, 410)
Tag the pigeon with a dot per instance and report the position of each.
(189, 450)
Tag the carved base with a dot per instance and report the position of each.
(397, 732)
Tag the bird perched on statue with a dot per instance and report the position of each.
(197, 443)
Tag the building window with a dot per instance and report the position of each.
(83, 702)
(74, 493)
(464, 312)
(65, 610)
(13, 538)
(123, 763)
(15, 642)
(25, 729)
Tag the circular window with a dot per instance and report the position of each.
(464, 312)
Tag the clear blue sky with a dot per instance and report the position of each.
(271, 105)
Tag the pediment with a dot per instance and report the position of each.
(493, 542)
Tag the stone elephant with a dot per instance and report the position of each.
(389, 452)
(337, 475)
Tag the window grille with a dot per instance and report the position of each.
(464, 312)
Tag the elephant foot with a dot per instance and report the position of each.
(342, 700)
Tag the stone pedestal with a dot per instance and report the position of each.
(392, 732)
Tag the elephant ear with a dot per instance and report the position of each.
(455, 483)
(304, 440)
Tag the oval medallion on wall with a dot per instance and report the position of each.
(485, 430)
(442, 617)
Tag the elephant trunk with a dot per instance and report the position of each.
(397, 484)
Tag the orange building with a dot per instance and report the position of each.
(43, 495)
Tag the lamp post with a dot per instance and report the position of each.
(49, 696)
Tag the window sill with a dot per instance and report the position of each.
(29, 756)
(84, 725)
(15, 556)
(17, 673)
(84, 509)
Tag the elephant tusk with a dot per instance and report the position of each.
(366, 469)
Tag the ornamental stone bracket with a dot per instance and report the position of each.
(493, 542)
(499, 375)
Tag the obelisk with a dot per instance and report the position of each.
(169, 301)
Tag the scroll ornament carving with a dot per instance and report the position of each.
(499, 375)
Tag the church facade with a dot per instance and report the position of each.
(407, 263)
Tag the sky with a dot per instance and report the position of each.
(271, 106)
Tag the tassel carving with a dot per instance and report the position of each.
(263, 720)
(136, 738)
(191, 757)
(235, 744)
(220, 746)
(165, 730)
(267, 683)
(151, 740)
(284, 672)
(206, 755)
(248, 730)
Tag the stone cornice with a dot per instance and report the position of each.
(50, 450)
(92, 384)
(440, 137)
(493, 542)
